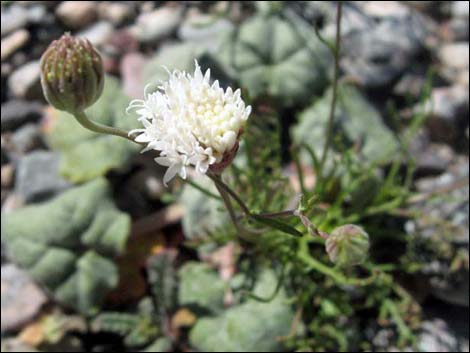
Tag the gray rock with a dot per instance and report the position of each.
(436, 337)
(24, 82)
(434, 158)
(459, 29)
(447, 109)
(77, 14)
(460, 9)
(385, 9)
(37, 176)
(441, 235)
(38, 14)
(13, 42)
(132, 65)
(160, 23)
(16, 345)
(378, 55)
(7, 173)
(98, 33)
(26, 138)
(116, 12)
(202, 28)
(455, 55)
(21, 300)
(13, 17)
(18, 112)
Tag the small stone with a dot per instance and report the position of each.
(7, 174)
(98, 33)
(77, 14)
(37, 176)
(202, 28)
(11, 203)
(433, 159)
(382, 52)
(459, 29)
(22, 299)
(115, 12)
(38, 14)
(436, 337)
(460, 9)
(410, 84)
(24, 82)
(383, 9)
(132, 65)
(17, 112)
(156, 25)
(13, 42)
(26, 138)
(455, 55)
(448, 113)
(13, 17)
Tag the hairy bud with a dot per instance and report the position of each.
(347, 245)
(72, 74)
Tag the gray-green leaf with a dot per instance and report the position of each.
(86, 154)
(67, 244)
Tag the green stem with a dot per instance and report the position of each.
(201, 189)
(219, 183)
(82, 118)
(339, 278)
(329, 128)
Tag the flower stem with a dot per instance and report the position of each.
(219, 183)
(228, 205)
(331, 118)
(82, 118)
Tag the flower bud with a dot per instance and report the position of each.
(347, 245)
(227, 159)
(72, 74)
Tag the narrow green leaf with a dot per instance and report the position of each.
(279, 225)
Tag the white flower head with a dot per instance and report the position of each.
(190, 121)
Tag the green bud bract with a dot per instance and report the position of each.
(347, 245)
(72, 74)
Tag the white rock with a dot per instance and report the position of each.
(24, 82)
(77, 14)
(97, 33)
(153, 26)
(115, 12)
(13, 42)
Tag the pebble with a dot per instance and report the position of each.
(455, 55)
(115, 12)
(37, 176)
(24, 82)
(380, 54)
(448, 111)
(433, 159)
(16, 113)
(436, 337)
(13, 17)
(26, 138)
(77, 14)
(132, 65)
(22, 299)
(7, 174)
(158, 24)
(381, 9)
(202, 28)
(13, 42)
(97, 33)
(460, 9)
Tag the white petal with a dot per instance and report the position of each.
(171, 172)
